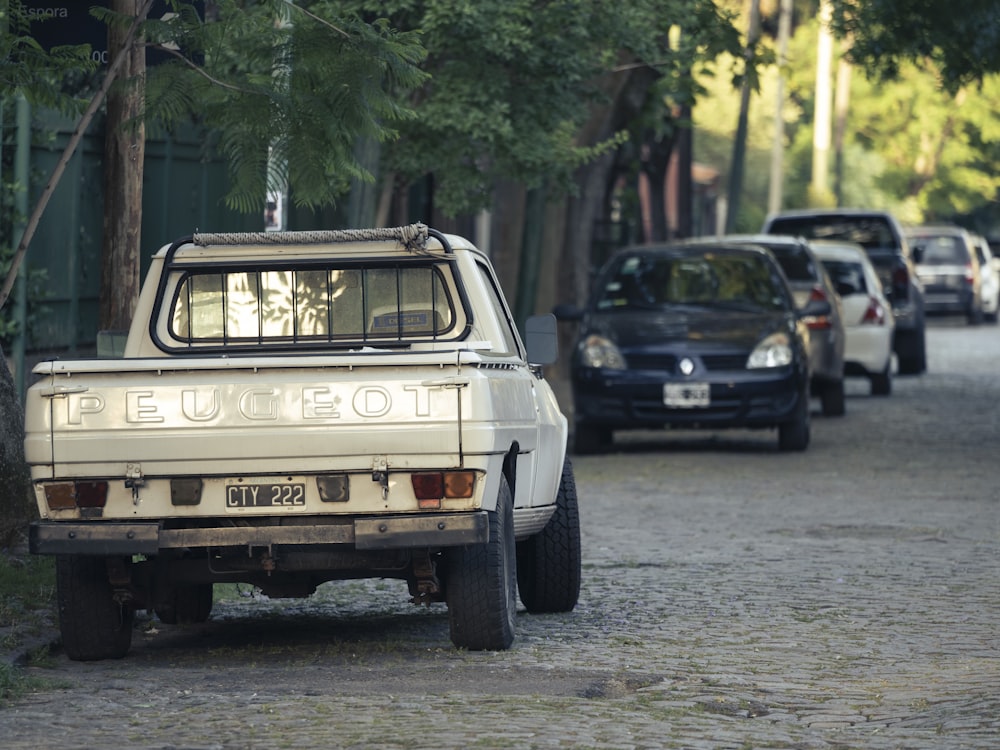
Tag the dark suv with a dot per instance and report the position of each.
(883, 238)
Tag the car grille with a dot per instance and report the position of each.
(668, 362)
(721, 362)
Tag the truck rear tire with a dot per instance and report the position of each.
(186, 605)
(481, 584)
(93, 625)
(548, 563)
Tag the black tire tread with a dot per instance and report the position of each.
(832, 399)
(481, 584)
(549, 563)
(794, 434)
(187, 605)
(92, 624)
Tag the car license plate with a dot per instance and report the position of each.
(265, 496)
(686, 395)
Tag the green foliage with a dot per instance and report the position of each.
(30, 71)
(961, 40)
(27, 608)
(290, 88)
(512, 85)
(909, 145)
(507, 89)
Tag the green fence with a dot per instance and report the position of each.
(183, 189)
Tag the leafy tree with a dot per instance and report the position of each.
(961, 40)
(231, 73)
(289, 88)
(26, 70)
(910, 145)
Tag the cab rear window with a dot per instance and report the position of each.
(309, 306)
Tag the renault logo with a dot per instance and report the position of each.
(686, 366)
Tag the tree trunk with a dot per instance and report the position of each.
(124, 152)
(16, 507)
(655, 164)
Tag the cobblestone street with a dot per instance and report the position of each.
(733, 597)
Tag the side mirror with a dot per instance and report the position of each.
(918, 253)
(541, 339)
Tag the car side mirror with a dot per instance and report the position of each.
(918, 253)
(541, 339)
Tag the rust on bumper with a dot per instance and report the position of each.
(148, 538)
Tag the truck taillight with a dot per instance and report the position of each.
(432, 487)
(900, 283)
(69, 495)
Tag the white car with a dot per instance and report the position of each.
(990, 270)
(868, 321)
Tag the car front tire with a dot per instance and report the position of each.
(793, 435)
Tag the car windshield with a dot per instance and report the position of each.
(730, 280)
(874, 233)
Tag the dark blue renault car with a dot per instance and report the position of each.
(701, 336)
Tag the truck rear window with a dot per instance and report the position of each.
(379, 305)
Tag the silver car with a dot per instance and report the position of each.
(949, 270)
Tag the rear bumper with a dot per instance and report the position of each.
(109, 538)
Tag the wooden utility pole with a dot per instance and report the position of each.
(740, 141)
(124, 153)
(819, 187)
(841, 105)
(776, 185)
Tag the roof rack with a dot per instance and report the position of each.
(413, 237)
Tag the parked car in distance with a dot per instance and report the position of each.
(990, 268)
(868, 320)
(810, 282)
(948, 269)
(691, 335)
(883, 238)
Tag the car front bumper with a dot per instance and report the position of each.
(624, 400)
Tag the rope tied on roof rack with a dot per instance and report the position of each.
(413, 237)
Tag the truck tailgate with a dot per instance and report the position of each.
(225, 417)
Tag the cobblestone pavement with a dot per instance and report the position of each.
(733, 597)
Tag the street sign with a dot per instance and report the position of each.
(54, 24)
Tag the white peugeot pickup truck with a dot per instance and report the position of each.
(293, 408)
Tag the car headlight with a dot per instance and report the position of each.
(773, 351)
(598, 351)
